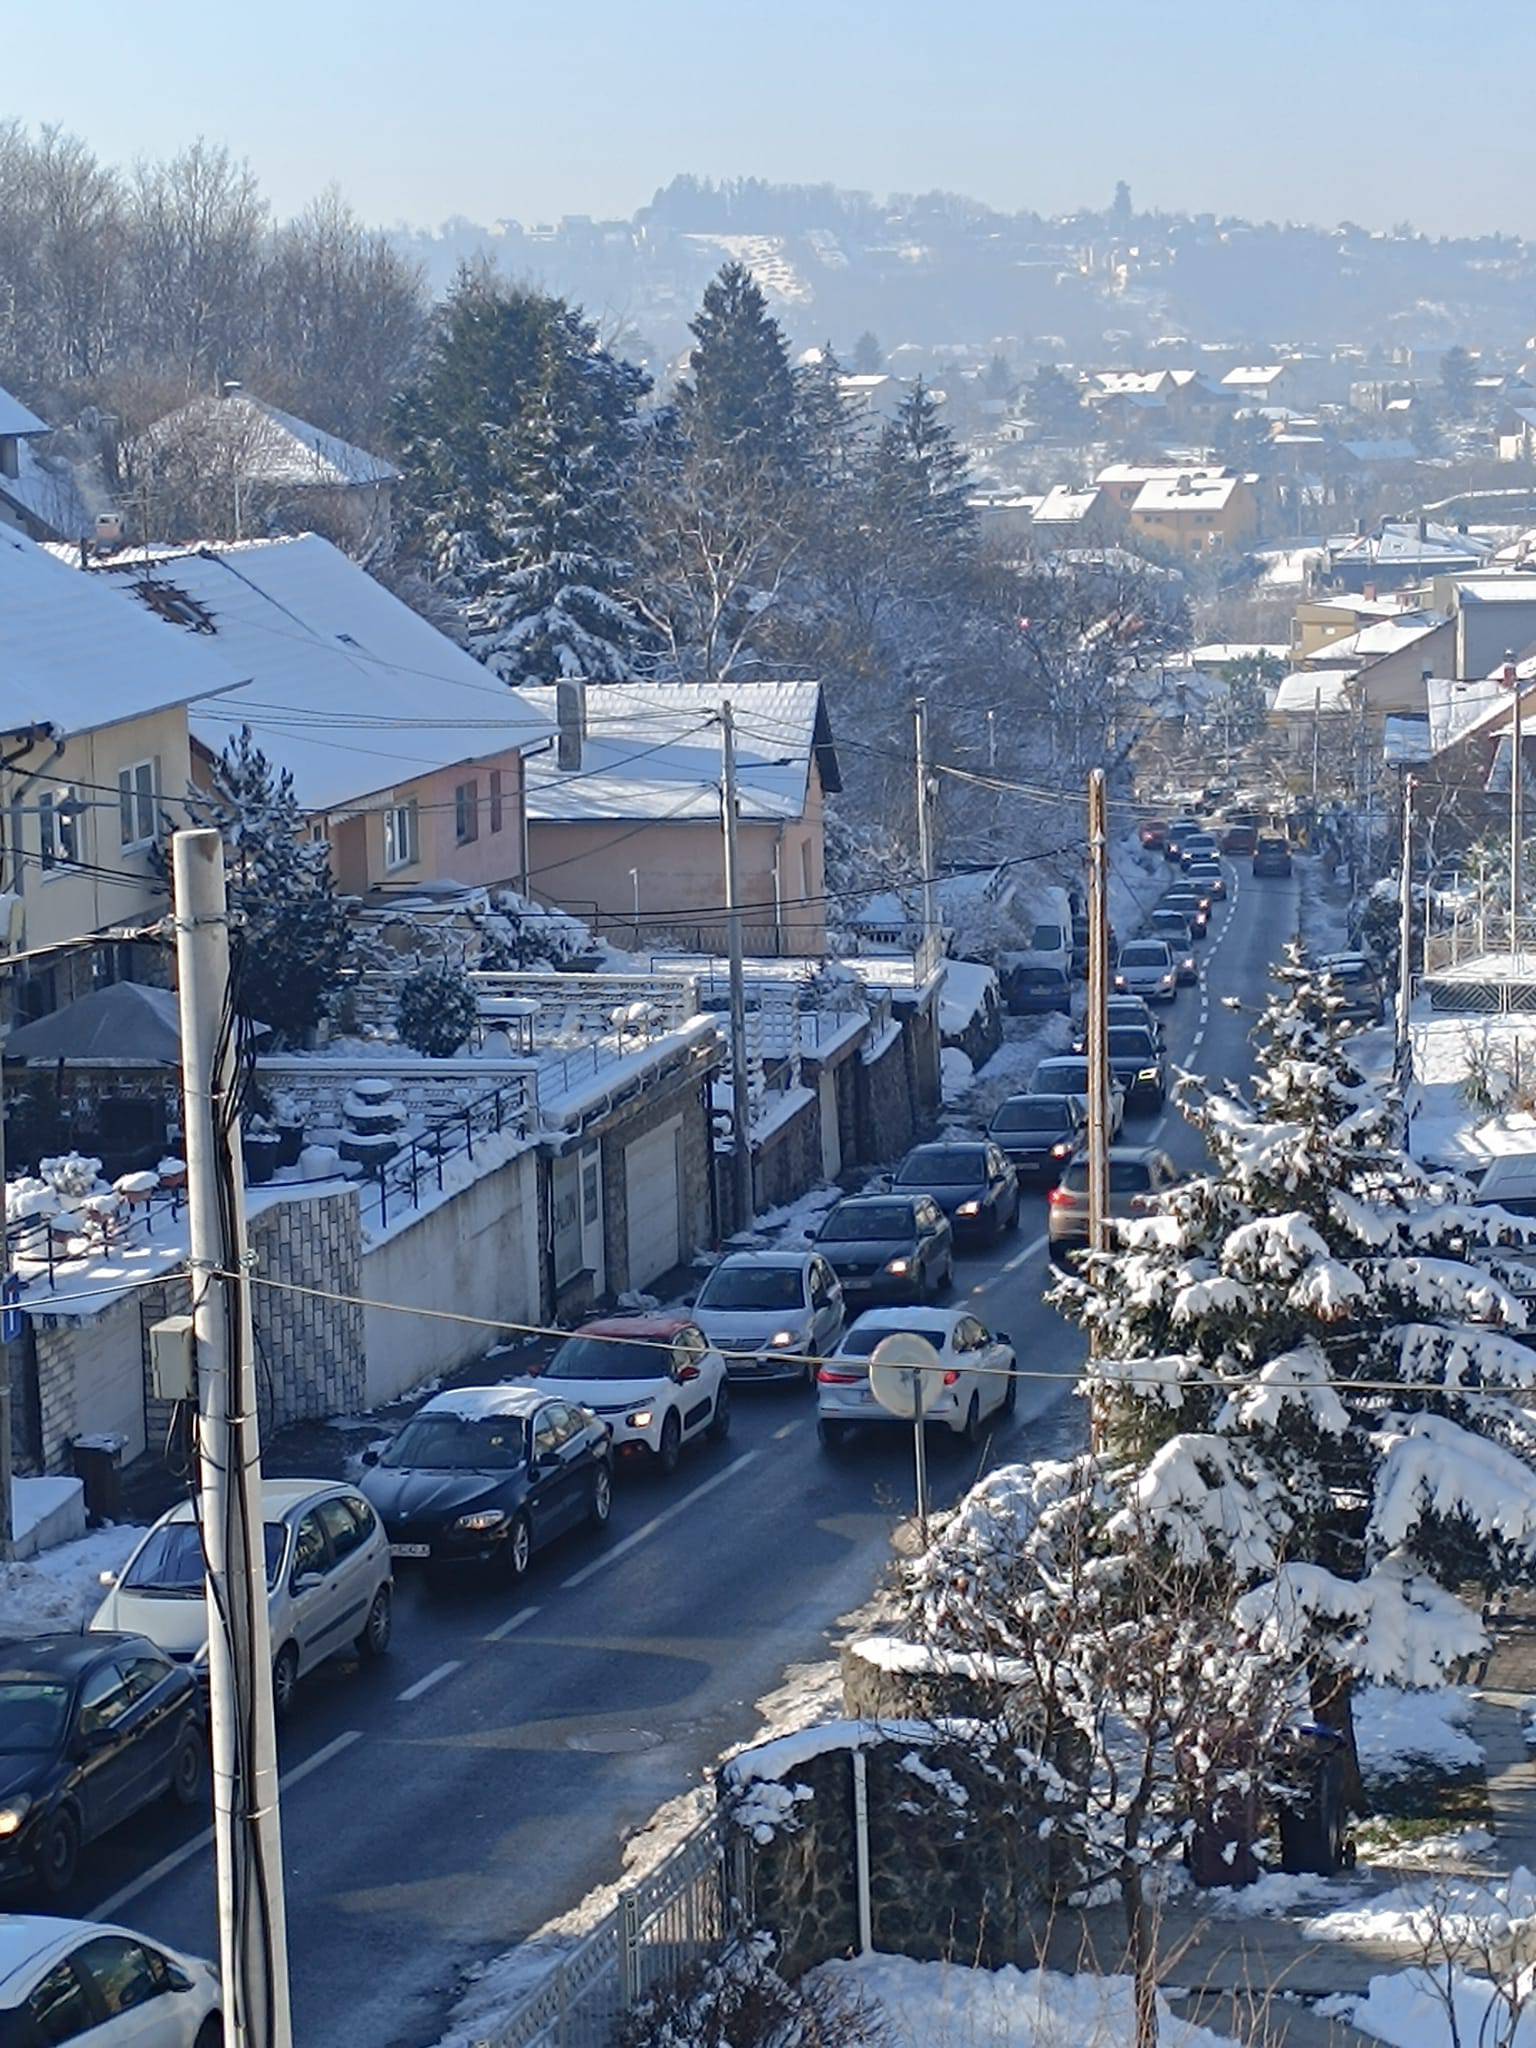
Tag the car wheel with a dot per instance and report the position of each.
(833, 1437)
(186, 1786)
(670, 1449)
(1010, 1391)
(285, 1678)
(1018, 1211)
(519, 1547)
(972, 1431)
(58, 1853)
(374, 1640)
(720, 1421)
(211, 2033)
(602, 1496)
(947, 1277)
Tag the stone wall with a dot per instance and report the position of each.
(889, 1117)
(789, 1159)
(310, 1350)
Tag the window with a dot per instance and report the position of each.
(59, 2008)
(124, 1972)
(136, 804)
(400, 835)
(143, 1673)
(341, 1526)
(309, 1547)
(548, 1433)
(466, 812)
(495, 799)
(59, 822)
(104, 1699)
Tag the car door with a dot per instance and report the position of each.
(549, 1479)
(969, 1343)
(158, 1695)
(827, 1304)
(312, 1591)
(935, 1233)
(352, 1569)
(1004, 1181)
(993, 1360)
(136, 1995)
(61, 2006)
(695, 1384)
(109, 1766)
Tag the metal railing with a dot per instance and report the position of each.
(676, 1916)
(511, 1105)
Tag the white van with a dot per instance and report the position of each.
(1046, 917)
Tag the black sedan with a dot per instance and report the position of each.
(1139, 1063)
(488, 1475)
(1037, 1134)
(92, 1728)
(972, 1183)
(887, 1248)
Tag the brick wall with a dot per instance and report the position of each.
(310, 1356)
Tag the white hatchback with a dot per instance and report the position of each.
(977, 1373)
(329, 1584)
(87, 1981)
(654, 1380)
(770, 1312)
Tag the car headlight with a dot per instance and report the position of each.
(898, 1266)
(481, 1522)
(1061, 1151)
(782, 1339)
(969, 1209)
(1167, 981)
(13, 1813)
(642, 1418)
(1120, 983)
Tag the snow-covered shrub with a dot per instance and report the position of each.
(515, 933)
(742, 2002)
(71, 1174)
(437, 1010)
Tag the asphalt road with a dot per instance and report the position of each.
(444, 1804)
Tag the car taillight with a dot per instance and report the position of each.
(950, 1377)
(828, 1378)
(1058, 1198)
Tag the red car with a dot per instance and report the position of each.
(1154, 835)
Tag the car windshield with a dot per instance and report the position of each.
(32, 1714)
(860, 1342)
(459, 1443)
(754, 1287)
(1045, 938)
(1169, 921)
(1042, 1115)
(171, 1560)
(1126, 1177)
(942, 1166)
(610, 1358)
(1130, 1045)
(852, 1221)
(1061, 1077)
(1145, 953)
(1349, 970)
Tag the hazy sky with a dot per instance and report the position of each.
(1373, 110)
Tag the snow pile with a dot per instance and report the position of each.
(1398, 1731)
(945, 2005)
(1440, 1915)
(60, 1590)
(956, 1073)
(1444, 2008)
(1458, 1061)
(968, 987)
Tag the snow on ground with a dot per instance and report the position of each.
(1027, 1041)
(956, 1073)
(1398, 1731)
(1445, 1130)
(1322, 914)
(945, 2005)
(1464, 1846)
(60, 1590)
(1286, 567)
(1445, 2008)
(1446, 1910)
(964, 994)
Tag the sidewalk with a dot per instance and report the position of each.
(1507, 1687)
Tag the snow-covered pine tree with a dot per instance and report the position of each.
(925, 481)
(518, 438)
(1314, 1352)
(296, 938)
(738, 400)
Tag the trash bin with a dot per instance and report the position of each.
(99, 1467)
(1314, 1812)
(1224, 1823)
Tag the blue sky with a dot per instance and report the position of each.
(1374, 110)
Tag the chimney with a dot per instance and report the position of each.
(1183, 487)
(1423, 527)
(570, 724)
(231, 388)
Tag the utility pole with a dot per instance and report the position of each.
(924, 821)
(1097, 1020)
(7, 1524)
(1516, 803)
(741, 1113)
(1317, 734)
(253, 1946)
(1405, 936)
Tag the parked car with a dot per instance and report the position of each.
(329, 1585)
(88, 1981)
(1191, 905)
(977, 1370)
(1179, 830)
(970, 1180)
(1240, 839)
(92, 1728)
(1173, 926)
(887, 1247)
(1036, 1134)
(1510, 1183)
(1133, 1010)
(1146, 968)
(1272, 854)
(488, 1475)
(1359, 986)
(768, 1312)
(1067, 1074)
(1032, 988)
(656, 1381)
(1135, 1171)
(1140, 1065)
(1209, 877)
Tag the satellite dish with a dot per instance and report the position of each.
(906, 1374)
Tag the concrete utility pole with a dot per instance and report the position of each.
(924, 819)
(1405, 935)
(253, 1945)
(1516, 803)
(1097, 1020)
(741, 1108)
(1317, 734)
(7, 1524)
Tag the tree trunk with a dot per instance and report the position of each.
(1333, 1703)
(1141, 1943)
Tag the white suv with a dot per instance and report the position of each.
(329, 1584)
(653, 1379)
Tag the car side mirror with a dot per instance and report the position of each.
(302, 1583)
(89, 1740)
(370, 1456)
(107, 1579)
(809, 1236)
(176, 1979)
(884, 1181)
(688, 1300)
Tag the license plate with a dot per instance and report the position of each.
(410, 1550)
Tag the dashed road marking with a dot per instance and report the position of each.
(433, 1677)
(505, 1628)
(788, 1430)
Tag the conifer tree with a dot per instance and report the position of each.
(924, 479)
(738, 400)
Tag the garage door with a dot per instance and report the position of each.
(651, 1198)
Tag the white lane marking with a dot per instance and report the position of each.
(648, 1529)
(1025, 1252)
(505, 1628)
(1194, 1043)
(109, 1909)
(788, 1430)
(433, 1677)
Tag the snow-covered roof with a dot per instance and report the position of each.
(1147, 472)
(76, 654)
(1401, 541)
(48, 492)
(1064, 505)
(15, 417)
(1185, 491)
(1253, 376)
(348, 688)
(1377, 640)
(1381, 451)
(652, 751)
(270, 446)
(1124, 383)
(1217, 653)
(1307, 689)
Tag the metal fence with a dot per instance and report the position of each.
(679, 1914)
